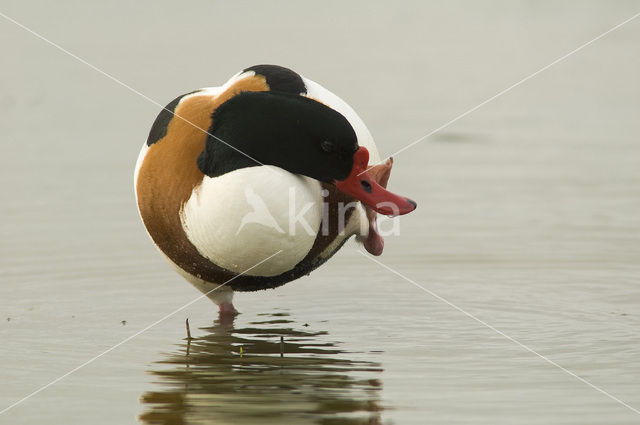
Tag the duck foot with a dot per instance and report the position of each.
(227, 308)
(227, 314)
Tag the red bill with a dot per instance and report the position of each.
(366, 189)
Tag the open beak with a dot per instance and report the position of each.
(361, 186)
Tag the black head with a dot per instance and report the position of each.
(290, 131)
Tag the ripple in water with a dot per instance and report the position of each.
(210, 380)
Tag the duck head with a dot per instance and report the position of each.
(300, 135)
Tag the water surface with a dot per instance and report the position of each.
(246, 375)
(527, 219)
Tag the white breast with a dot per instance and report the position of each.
(244, 216)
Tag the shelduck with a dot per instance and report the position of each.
(255, 183)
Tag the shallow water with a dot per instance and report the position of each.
(527, 220)
(246, 375)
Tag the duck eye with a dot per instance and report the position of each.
(327, 146)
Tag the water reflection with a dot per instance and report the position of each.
(237, 376)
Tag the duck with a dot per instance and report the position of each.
(258, 182)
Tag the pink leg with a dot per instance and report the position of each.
(227, 308)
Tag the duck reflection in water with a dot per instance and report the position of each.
(237, 376)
